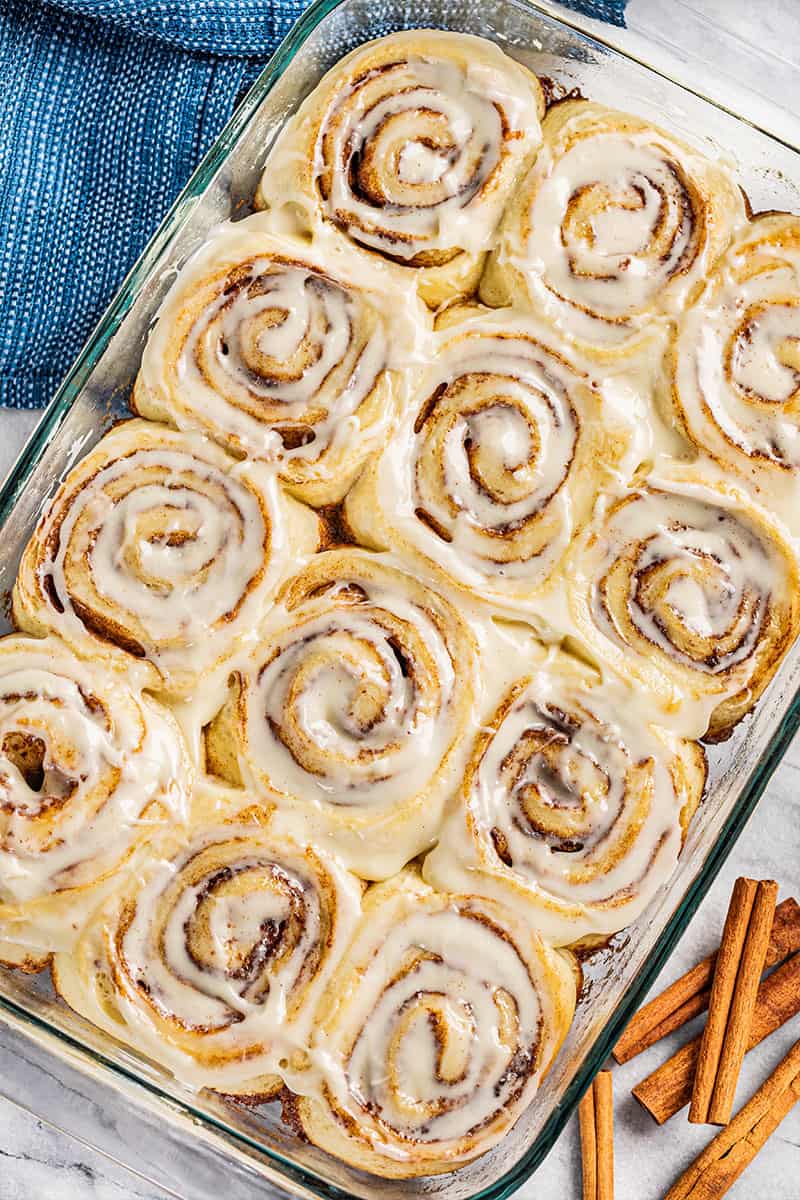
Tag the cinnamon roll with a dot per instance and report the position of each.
(735, 364)
(160, 545)
(571, 804)
(262, 347)
(353, 708)
(690, 590)
(498, 462)
(435, 1032)
(408, 150)
(87, 767)
(213, 959)
(615, 227)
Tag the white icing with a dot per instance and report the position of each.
(181, 544)
(721, 575)
(357, 677)
(358, 713)
(420, 164)
(429, 136)
(571, 808)
(107, 755)
(451, 1089)
(352, 709)
(697, 583)
(617, 232)
(737, 364)
(232, 941)
(258, 338)
(482, 474)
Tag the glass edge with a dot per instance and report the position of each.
(61, 1130)
(175, 220)
(49, 1033)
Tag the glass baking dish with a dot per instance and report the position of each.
(254, 1144)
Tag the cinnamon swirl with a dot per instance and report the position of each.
(735, 364)
(435, 1032)
(160, 545)
(262, 347)
(212, 961)
(615, 227)
(571, 804)
(87, 767)
(353, 708)
(692, 591)
(408, 149)
(498, 462)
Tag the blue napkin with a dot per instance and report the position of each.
(106, 106)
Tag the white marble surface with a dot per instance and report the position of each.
(39, 1163)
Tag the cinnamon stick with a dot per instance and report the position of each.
(688, 996)
(665, 1091)
(745, 993)
(724, 1159)
(604, 1122)
(728, 959)
(588, 1128)
(596, 1117)
(740, 961)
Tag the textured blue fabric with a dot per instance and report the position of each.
(612, 11)
(106, 106)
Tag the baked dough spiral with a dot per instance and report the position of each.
(159, 544)
(435, 1032)
(689, 589)
(735, 364)
(498, 463)
(87, 767)
(261, 347)
(409, 148)
(353, 708)
(213, 959)
(616, 225)
(571, 805)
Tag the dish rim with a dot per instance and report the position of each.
(175, 221)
